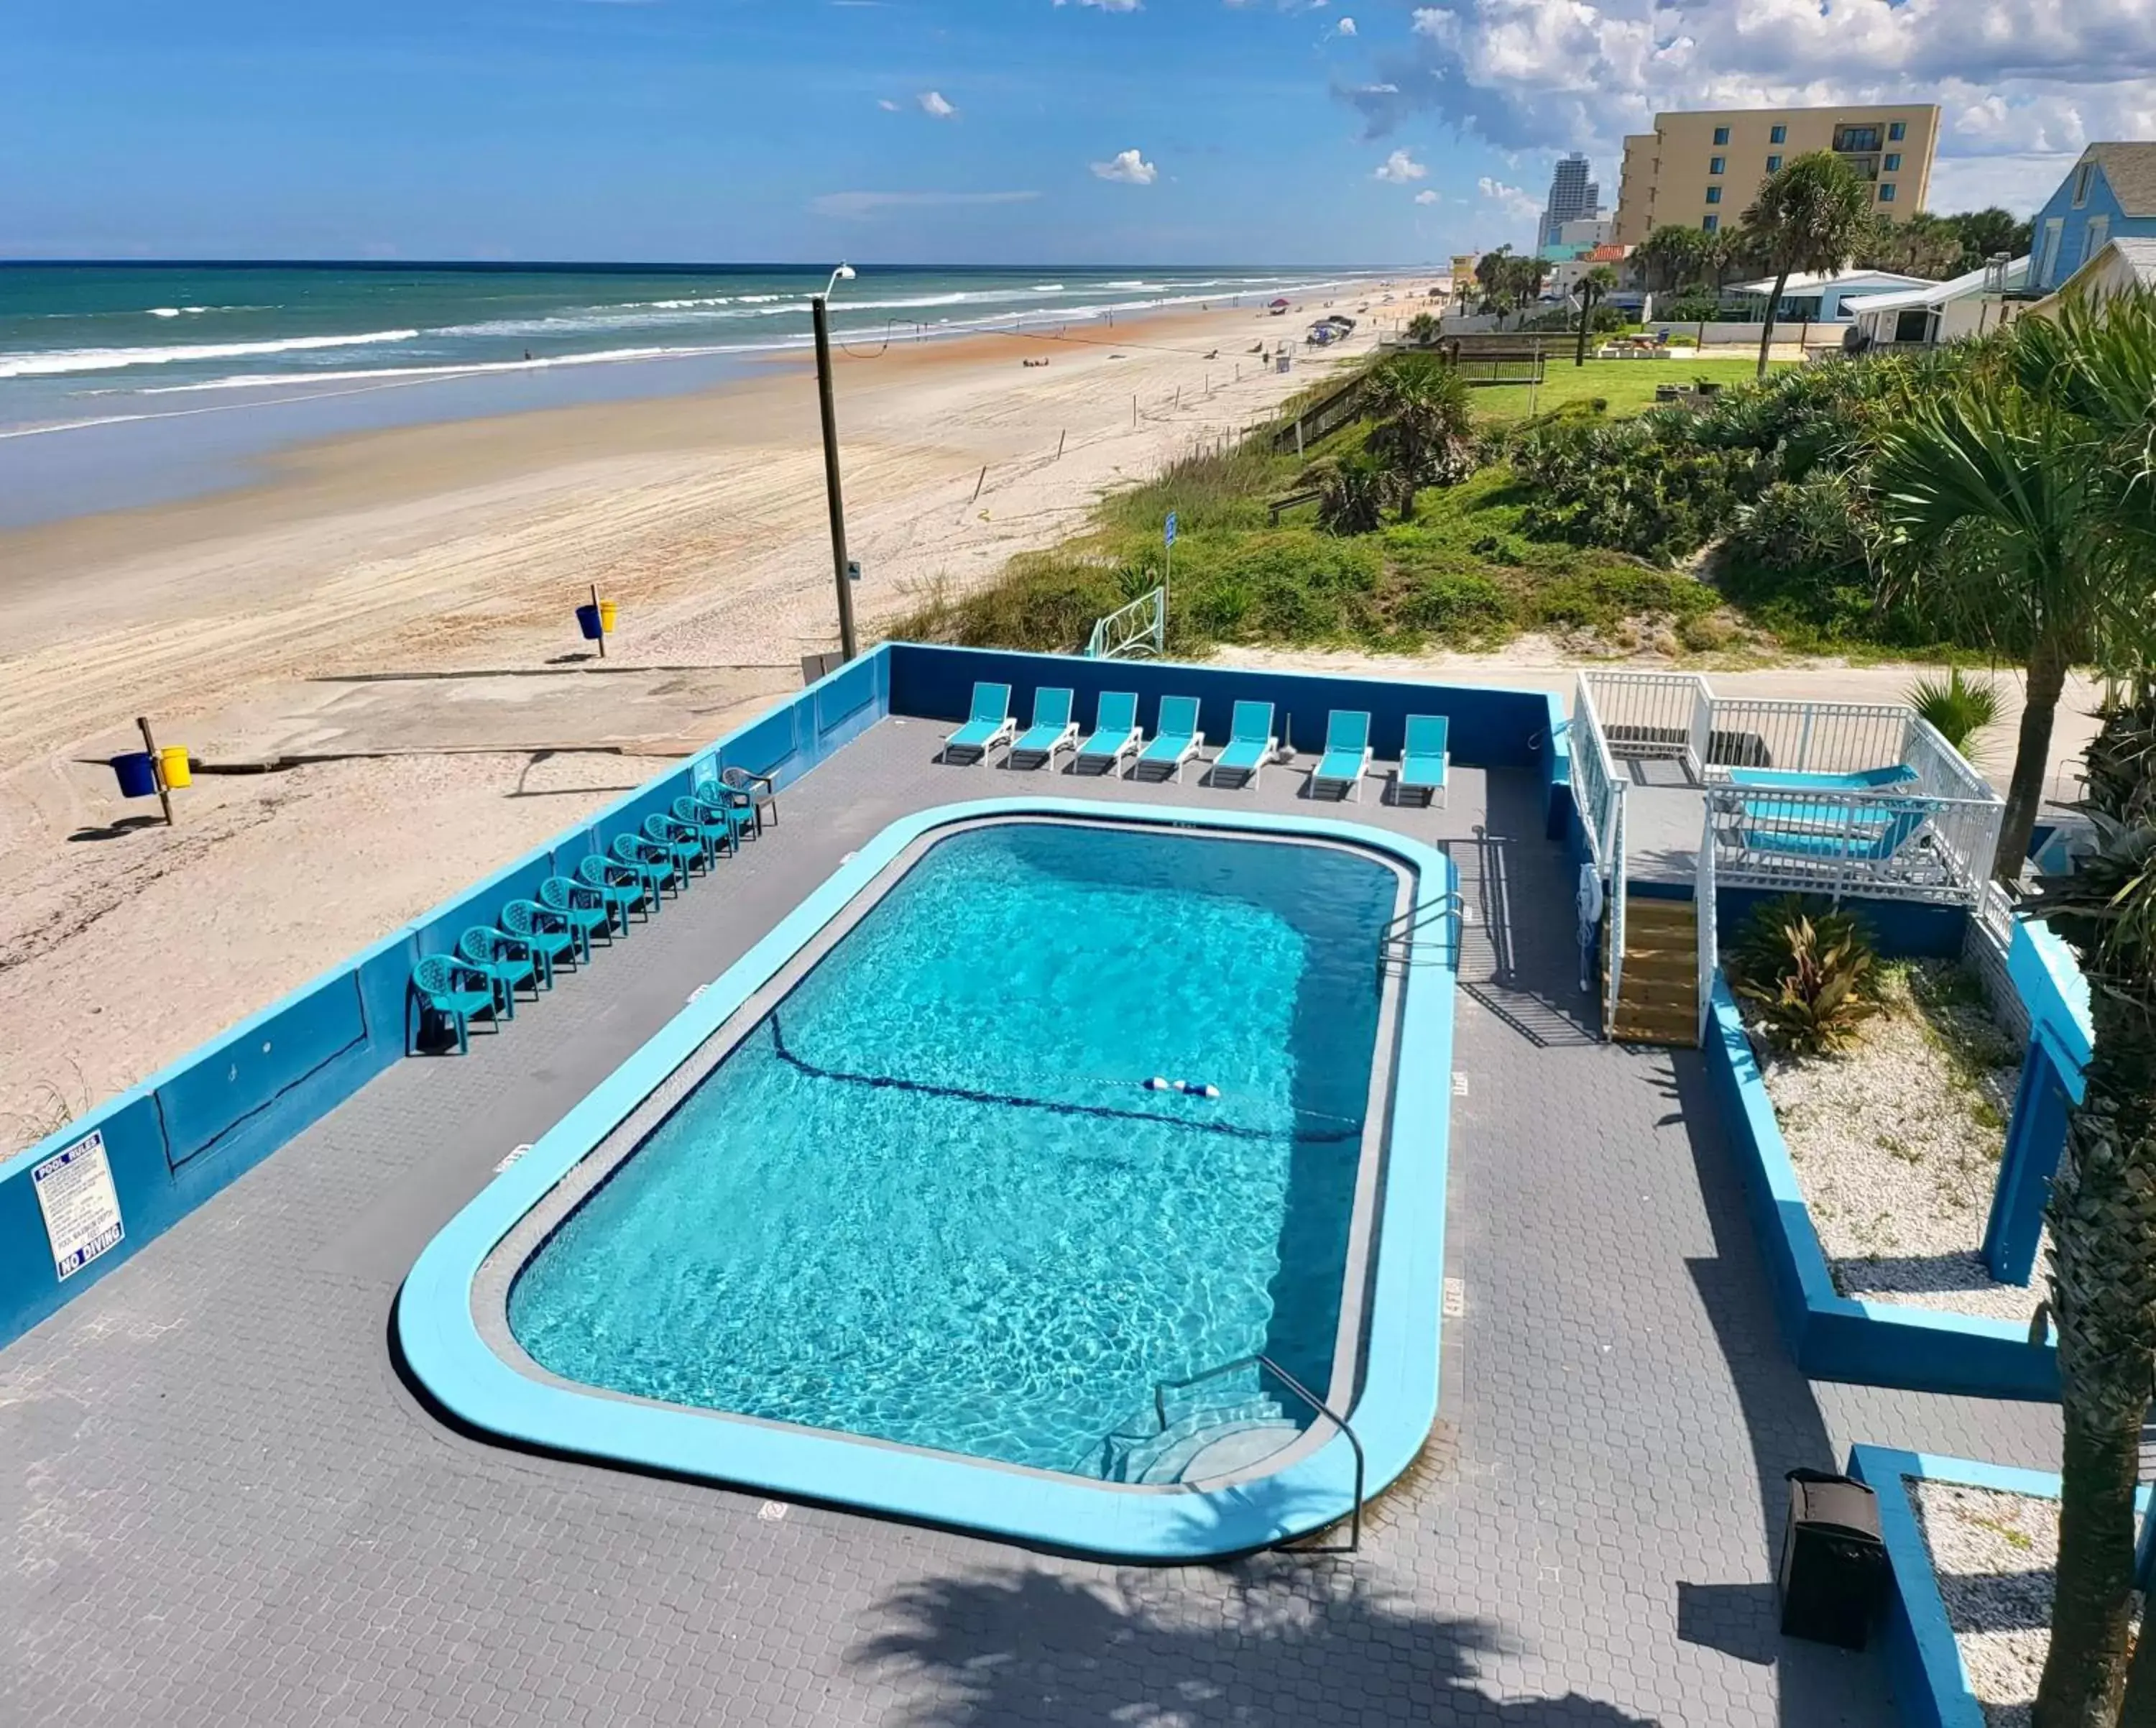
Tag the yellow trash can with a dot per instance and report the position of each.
(173, 768)
(607, 615)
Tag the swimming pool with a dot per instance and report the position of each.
(899, 1203)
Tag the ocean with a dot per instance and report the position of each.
(124, 384)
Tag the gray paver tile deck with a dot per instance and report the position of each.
(224, 1506)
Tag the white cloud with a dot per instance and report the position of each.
(860, 206)
(1104, 5)
(934, 105)
(1425, 197)
(2022, 84)
(1513, 200)
(1129, 167)
(1346, 27)
(1398, 168)
(886, 105)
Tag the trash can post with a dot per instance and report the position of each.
(164, 792)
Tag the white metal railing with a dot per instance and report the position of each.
(1944, 773)
(1887, 845)
(1601, 799)
(1994, 913)
(1137, 631)
(1613, 985)
(1806, 737)
(1708, 936)
(1653, 714)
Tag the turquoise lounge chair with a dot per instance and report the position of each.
(547, 935)
(1347, 756)
(622, 884)
(714, 823)
(1115, 733)
(1775, 779)
(1866, 846)
(1053, 729)
(448, 987)
(653, 863)
(586, 908)
(503, 961)
(1251, 744)
(1175, 741)
(1423, 760)
(989, 725)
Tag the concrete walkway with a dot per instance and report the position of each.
(222, 1506)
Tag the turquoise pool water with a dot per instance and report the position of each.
(929, 1200)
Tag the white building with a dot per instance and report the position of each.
(1823, 298)
(1970, 304)
(2127, 262)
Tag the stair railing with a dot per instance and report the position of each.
(1258, 1360)
(1708, 937)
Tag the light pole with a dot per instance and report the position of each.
(819, 312)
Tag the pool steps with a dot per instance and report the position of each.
(1164, 1455)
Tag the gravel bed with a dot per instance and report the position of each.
(1897, 1142)
(1992, 1555)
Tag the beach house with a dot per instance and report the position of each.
(1972, 304)
(2110, 194)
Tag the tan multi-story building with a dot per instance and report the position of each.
(1703, 170)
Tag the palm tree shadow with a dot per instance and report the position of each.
(1290, 1643)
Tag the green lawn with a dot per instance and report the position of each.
(1626, 385)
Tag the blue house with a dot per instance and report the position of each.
(2111, 193)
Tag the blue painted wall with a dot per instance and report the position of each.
(1827, 1335)
(1489, 727)
(188, 1131)
(2048, 267)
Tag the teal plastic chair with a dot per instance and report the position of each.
(681, 839)
(1175, 739)
(506, 962)
(714, 824)
(586, 908)
(548, 935)
(1114, 734)
(448, 987)
(1424, 760)
(1346, 756)
(989, 724)
(621, 884)
(1053, 729)
(1251, 744)
(653, 863)
(738, 806)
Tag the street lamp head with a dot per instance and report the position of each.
(844, 273)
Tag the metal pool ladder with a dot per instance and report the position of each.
(1259, 1358)
(1397, 942)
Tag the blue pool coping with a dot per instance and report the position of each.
(442, 1350)
(1924, 1660)
(1828, 1335)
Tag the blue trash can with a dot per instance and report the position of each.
(587, 621)
(137, 772)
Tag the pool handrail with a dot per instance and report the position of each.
(1259, 1358)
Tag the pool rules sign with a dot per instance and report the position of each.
(80, 1207)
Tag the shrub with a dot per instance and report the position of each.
(1464, 609)
(1959, 707)
(1811, 973)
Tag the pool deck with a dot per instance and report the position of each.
(225, 1506)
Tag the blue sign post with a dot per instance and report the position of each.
(1167, 576)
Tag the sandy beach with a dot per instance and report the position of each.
(392, 613)
(273, 622)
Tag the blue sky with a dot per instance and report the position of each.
(955, 130)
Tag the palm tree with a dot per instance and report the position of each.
(1425, 426)
(2102, 1293)
(2027, 504)
(1669, 257)
(1593, 286)
(1811, 214)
